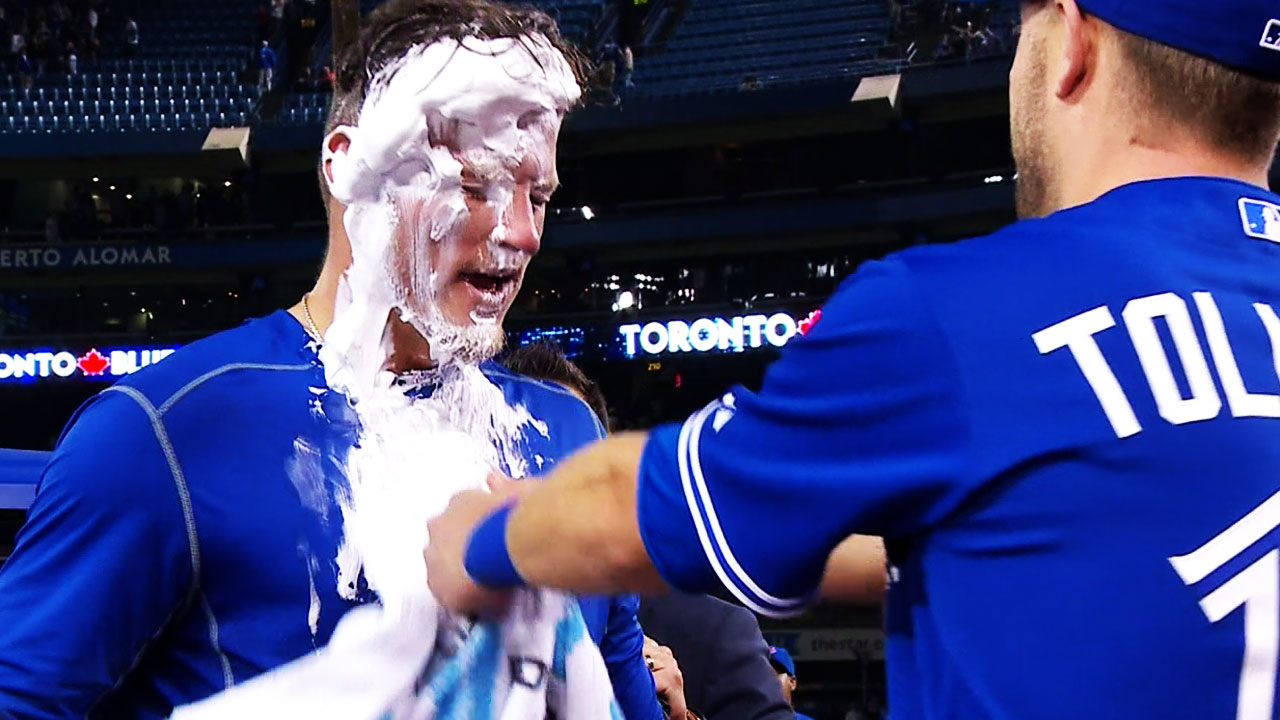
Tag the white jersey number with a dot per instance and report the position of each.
(1257, 589)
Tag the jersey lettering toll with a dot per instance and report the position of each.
(1078, 335)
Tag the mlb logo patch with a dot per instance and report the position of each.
(1261, 219)
(1271, 36)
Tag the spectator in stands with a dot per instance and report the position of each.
(23, 67)
(51, 233)
(306, 81)
(266, 67)
(71, 61)
(327, 78)
(786, 669)
(131, 38)
(628, 64)
(277, 16)
(895, 12)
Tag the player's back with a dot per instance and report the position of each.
(1115, 551)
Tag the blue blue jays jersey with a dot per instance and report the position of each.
(171, 552)
(1068, 433)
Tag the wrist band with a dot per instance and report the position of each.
(486, 559)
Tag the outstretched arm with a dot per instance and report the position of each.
(578, 530)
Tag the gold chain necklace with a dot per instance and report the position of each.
(311, 323)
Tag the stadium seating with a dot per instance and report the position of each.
(576, 17)
(189, 74)
(305, 108)
(194, 67)
(722, 43)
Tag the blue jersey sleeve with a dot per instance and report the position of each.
(857, 429)
(623, 650)
(100, 566)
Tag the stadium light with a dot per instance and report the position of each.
(588, 213)
(95, 179)
(226, 184)
(128, 196)
(626, 300)
(112, 188)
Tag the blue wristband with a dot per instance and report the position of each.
(486, 559)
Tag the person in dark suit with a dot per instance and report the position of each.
(722, 655)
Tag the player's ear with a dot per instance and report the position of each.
(1079, 45)
(336, 144)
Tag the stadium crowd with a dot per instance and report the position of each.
(57, 36)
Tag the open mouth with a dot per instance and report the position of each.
(494, 284)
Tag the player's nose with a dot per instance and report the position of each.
(522, 230)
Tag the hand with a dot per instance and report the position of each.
(668, 681)
(449, 533)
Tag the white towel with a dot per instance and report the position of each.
(381, 668)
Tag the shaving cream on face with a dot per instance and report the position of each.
(491, 107)
(486, 105)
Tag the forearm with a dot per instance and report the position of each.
(578, 530)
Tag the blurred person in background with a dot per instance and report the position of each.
(785, 668)
(724, 658)
(266, 67)
(547, 362)
(131, 38)
(668, 680)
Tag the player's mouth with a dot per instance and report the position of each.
(491, 289)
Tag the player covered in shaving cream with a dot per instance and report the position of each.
(213, 518)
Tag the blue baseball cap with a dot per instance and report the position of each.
(1241, 34)
(781, 660)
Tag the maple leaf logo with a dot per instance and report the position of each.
(93, 363)
(807, 324)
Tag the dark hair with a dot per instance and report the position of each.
(544, 361)
(1236, 112)
(396, 27)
